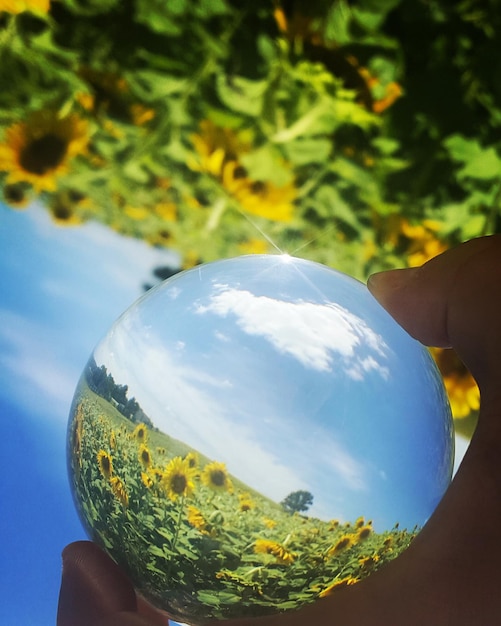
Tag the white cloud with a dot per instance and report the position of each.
(121, 257)
(35, 374)
(196, 404)
(318, 335)
(182, 402)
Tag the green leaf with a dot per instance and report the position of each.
(337, 27)
(461, 148)
(386, 145)
(164, 533)
(155, 15)
(209, 9)
(349, 112)
(304, 151)
(485, 166)
(473, 226)
(208, 597)
(368, 19)
(156, 551)
(265, 164)
(226, 597)
(152, 85)
(151, 567)
(241, 94)
(135, 172)
(332, 204)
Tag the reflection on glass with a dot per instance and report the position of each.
(255, 433)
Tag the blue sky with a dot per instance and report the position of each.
(61, 289)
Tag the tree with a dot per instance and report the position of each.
(297, 501)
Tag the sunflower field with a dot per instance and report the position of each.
(196, 540)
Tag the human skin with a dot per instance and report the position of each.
(451, 573)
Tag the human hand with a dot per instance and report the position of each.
(95, 592)
(451, 572)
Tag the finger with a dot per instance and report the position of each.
(92, 587)
(454, 299)
(125, 619)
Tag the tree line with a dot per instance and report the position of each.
(102, 383)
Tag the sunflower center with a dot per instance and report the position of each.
(14, 194)
(62, 212)
(178, 483)
(43, 154)
(218, 478)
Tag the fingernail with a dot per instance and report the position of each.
(390, 280)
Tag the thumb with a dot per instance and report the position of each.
(452, 300)
(92, 587)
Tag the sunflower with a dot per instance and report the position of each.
(119, 491)
(282, 555)
(62, 210)
(387, 544)
(216, 146)
(422, 241)
(261, 198)
(215, 476)
(197, 520)
(110, 94)
(15, 196)
(105, 464)
(246, 502)
(38, 150)
(254, 246)
(136, 213)
(363, 532)
(345, 542)
(192, 459)
(464, 395)
(178, 479)
(269, 523)
(147, 480)
(417, 242)
(337, 584)
(166, 211)
(140, 433)
(19, 6)
(78, 431)
(144, 456)
(368, 562)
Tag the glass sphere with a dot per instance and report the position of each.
(253, 434)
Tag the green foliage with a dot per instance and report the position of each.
(297, 501)
(341, 121)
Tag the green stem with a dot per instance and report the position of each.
(302, 124)
(178, 525)
(216, 214)
(490, 220)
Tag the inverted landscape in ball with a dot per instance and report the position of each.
(253, 434)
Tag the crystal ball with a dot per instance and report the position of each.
(254, 434)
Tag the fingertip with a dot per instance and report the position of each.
(383, 284)
(414, 301)
(92, 586)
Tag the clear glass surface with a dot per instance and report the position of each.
(254, 434)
